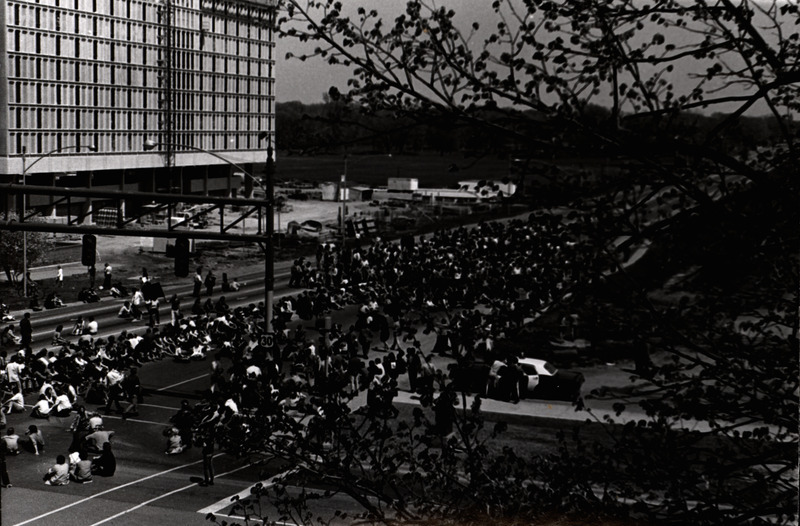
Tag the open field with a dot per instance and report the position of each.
(431, 169)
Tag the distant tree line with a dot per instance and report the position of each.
(336, 126)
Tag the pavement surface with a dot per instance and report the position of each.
(153, 488)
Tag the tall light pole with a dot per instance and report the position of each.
(343, 199)
(25, 168)
(269, 265)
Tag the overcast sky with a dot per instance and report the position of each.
(307, 81)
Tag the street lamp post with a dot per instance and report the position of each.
(269, 265)
(25, 168)
(343, 199)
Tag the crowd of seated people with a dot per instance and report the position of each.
(513, 270)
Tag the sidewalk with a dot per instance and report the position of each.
(594, 411)
(72, 268)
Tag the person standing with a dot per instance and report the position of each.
(33, 287)
(14, 371)
(198, 282)
(60, 277)
(4, 480)
(210, 281)
(107, 277)
(152, 312)
(115, 393)
(427, 375)
(208, 459)
(132, 387)
(26, 331)
(414, 368)
(175, 310)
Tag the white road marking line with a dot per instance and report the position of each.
(159, 406)
(253, 519)
(224, 503)
(145, 503)
(183, 382)
(131, 483)
(138, 421)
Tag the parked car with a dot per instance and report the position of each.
(540, 379)
(553, 384)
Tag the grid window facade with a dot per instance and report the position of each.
(116, 71)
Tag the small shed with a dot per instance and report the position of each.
(330, 192)
(403, 184)
(360, 193)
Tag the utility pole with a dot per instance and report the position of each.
(269, 263)
(24, 234)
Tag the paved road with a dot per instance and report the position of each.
(152, 488)
(149, 487)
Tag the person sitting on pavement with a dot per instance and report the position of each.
(81, 471)
(96, 440)
(58, 474)
(91, 327)
(9, 337)
(118, 290)
(221, 307)
(14, 404)
(125, 311)
(35, 439)
(88, 296)
(197, 307)
(175, 444)
(42, 408)
(106, 464)
(95, 421)
(53, 301)
(184, 421)
(47, 388)
(58, 337)
(11, 442)
(62, 406)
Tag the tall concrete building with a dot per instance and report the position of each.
(84, 84)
